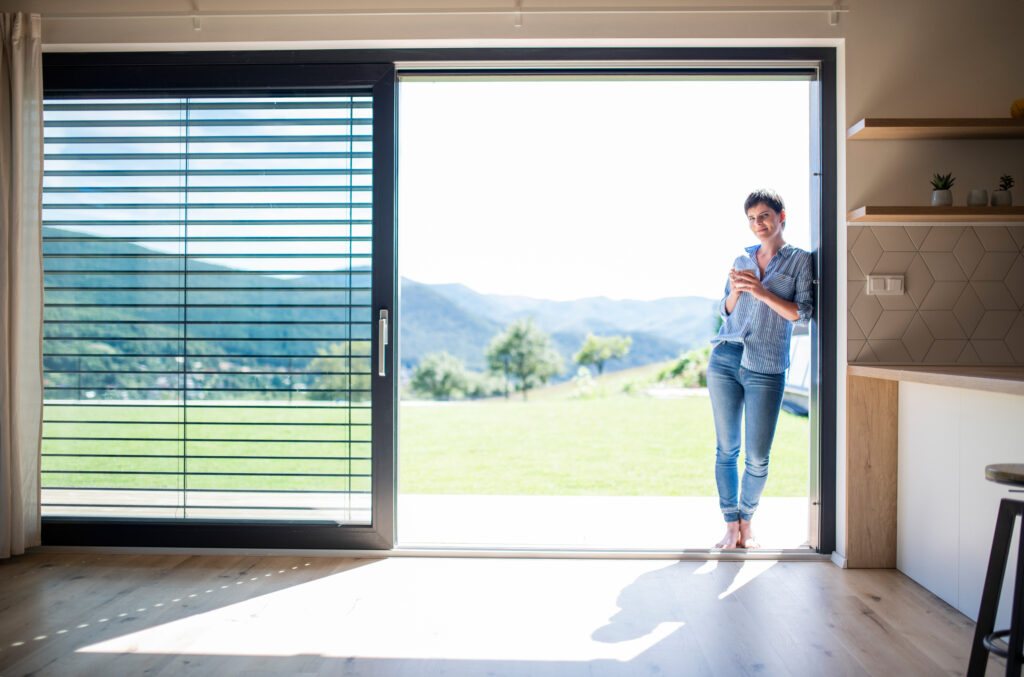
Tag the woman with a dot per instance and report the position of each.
(769, 288)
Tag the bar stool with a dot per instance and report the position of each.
(984, 636)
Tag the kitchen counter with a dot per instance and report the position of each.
(1009, 380)
(918, 440)
(875, 426)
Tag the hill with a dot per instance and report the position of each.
(685, 319)
(661, 329)
(430, 323)
(133, 307)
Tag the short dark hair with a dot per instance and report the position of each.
(768, 197)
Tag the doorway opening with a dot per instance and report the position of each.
(563, 245)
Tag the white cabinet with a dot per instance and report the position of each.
(927, 490)
(946, 509)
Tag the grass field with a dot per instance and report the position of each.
(139, 446)
(554, 444)
(621, 445)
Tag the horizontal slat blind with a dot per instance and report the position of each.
(207, 271)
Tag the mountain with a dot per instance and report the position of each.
(135, 309)
(430, 322)
(455, 317)
(687, 320)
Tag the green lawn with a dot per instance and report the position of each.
(614, 444)
(137, 446)
(621, 445)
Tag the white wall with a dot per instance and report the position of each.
(911, 57)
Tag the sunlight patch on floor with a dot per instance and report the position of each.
(750, 570)
(462, 609)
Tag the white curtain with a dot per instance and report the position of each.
(21, 279)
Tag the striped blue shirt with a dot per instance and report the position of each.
(764, 333)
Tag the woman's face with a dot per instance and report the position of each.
(765, 222)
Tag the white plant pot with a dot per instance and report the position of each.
(1002, 198)
(942, 198)
(977, 197)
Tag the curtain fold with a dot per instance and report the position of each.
(21, 280)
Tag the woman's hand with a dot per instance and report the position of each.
(746, 281)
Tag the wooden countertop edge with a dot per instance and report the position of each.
(1009, 380)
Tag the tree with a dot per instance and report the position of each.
(439, 375)
(341, 372)
(523, 353)
(597, 350)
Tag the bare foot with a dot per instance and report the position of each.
(746, 536)
(731, 538)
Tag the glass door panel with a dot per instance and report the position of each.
(211, 305)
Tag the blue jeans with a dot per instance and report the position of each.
(757, 397)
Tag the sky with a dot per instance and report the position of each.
(555, 189)
(570, 189)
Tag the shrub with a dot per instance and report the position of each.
(440, 376)
(584, 385)
(483, 384)
(691, 368)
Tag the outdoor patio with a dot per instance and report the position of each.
(588, 522)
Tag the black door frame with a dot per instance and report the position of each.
(260, 72)
(69, 76)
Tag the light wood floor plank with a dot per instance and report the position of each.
(808, 646)
(904, 608)
(168, 615)
(733, 641)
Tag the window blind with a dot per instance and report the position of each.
(207, 321)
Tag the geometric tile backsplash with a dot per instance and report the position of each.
(963, 301)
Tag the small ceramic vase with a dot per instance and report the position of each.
(942, 198)
(977, 197)
(1002, 198)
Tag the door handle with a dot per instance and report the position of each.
(382, 342)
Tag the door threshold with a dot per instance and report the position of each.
(454, 551)
(689, 554)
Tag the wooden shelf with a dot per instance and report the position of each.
(936, 128)
(885, 214)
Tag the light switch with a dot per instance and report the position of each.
(885, 285)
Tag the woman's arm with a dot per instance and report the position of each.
(804, 296)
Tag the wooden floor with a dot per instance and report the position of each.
(108, 615)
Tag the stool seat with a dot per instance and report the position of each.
(1006, 473)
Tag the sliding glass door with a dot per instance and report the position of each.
(218, 281)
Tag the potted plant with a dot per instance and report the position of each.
(1003, 197)
(942, 196)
